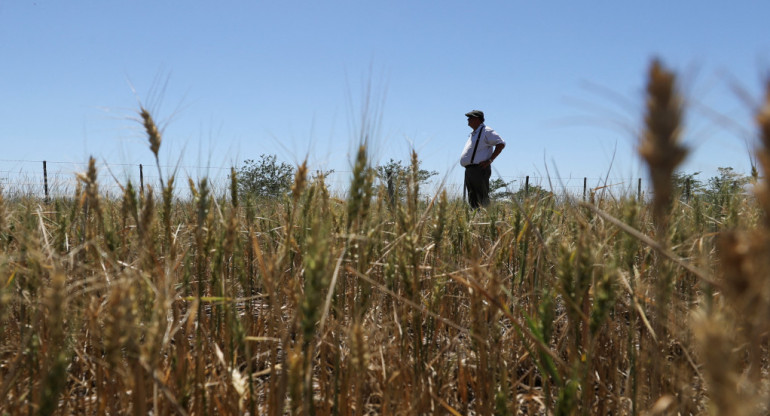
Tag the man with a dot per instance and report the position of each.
(481, 149)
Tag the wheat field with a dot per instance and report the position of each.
(315, 304)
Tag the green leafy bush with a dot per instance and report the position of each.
(265, 178)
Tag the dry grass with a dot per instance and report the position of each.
(372, 305)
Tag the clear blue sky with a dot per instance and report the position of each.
(561, 81)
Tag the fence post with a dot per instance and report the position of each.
(585, 187)
(687, 190)
(392, 190)
(45, 181)
(526, 187)
(141, 180)
(639, 191)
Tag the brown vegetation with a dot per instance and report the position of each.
(380, 305)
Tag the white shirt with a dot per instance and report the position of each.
(489, 139)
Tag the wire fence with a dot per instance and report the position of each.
(50, 179)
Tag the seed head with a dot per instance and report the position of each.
(152, 130)
(660, 145)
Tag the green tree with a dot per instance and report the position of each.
(721, 189)
(500, 189)
(717, 189)
(394, 175)
(265, 178)
(687, 185)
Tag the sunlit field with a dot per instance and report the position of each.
(375, 302)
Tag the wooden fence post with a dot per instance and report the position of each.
(526, 187)
(45, 181)
(141, 180)
(639, 190)
(585, 187)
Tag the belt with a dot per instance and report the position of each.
(473, 165)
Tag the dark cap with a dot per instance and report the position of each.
(476, 114)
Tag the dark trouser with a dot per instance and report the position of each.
(477, 184)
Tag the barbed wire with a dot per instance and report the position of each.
(152, 165)
(32, 179)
